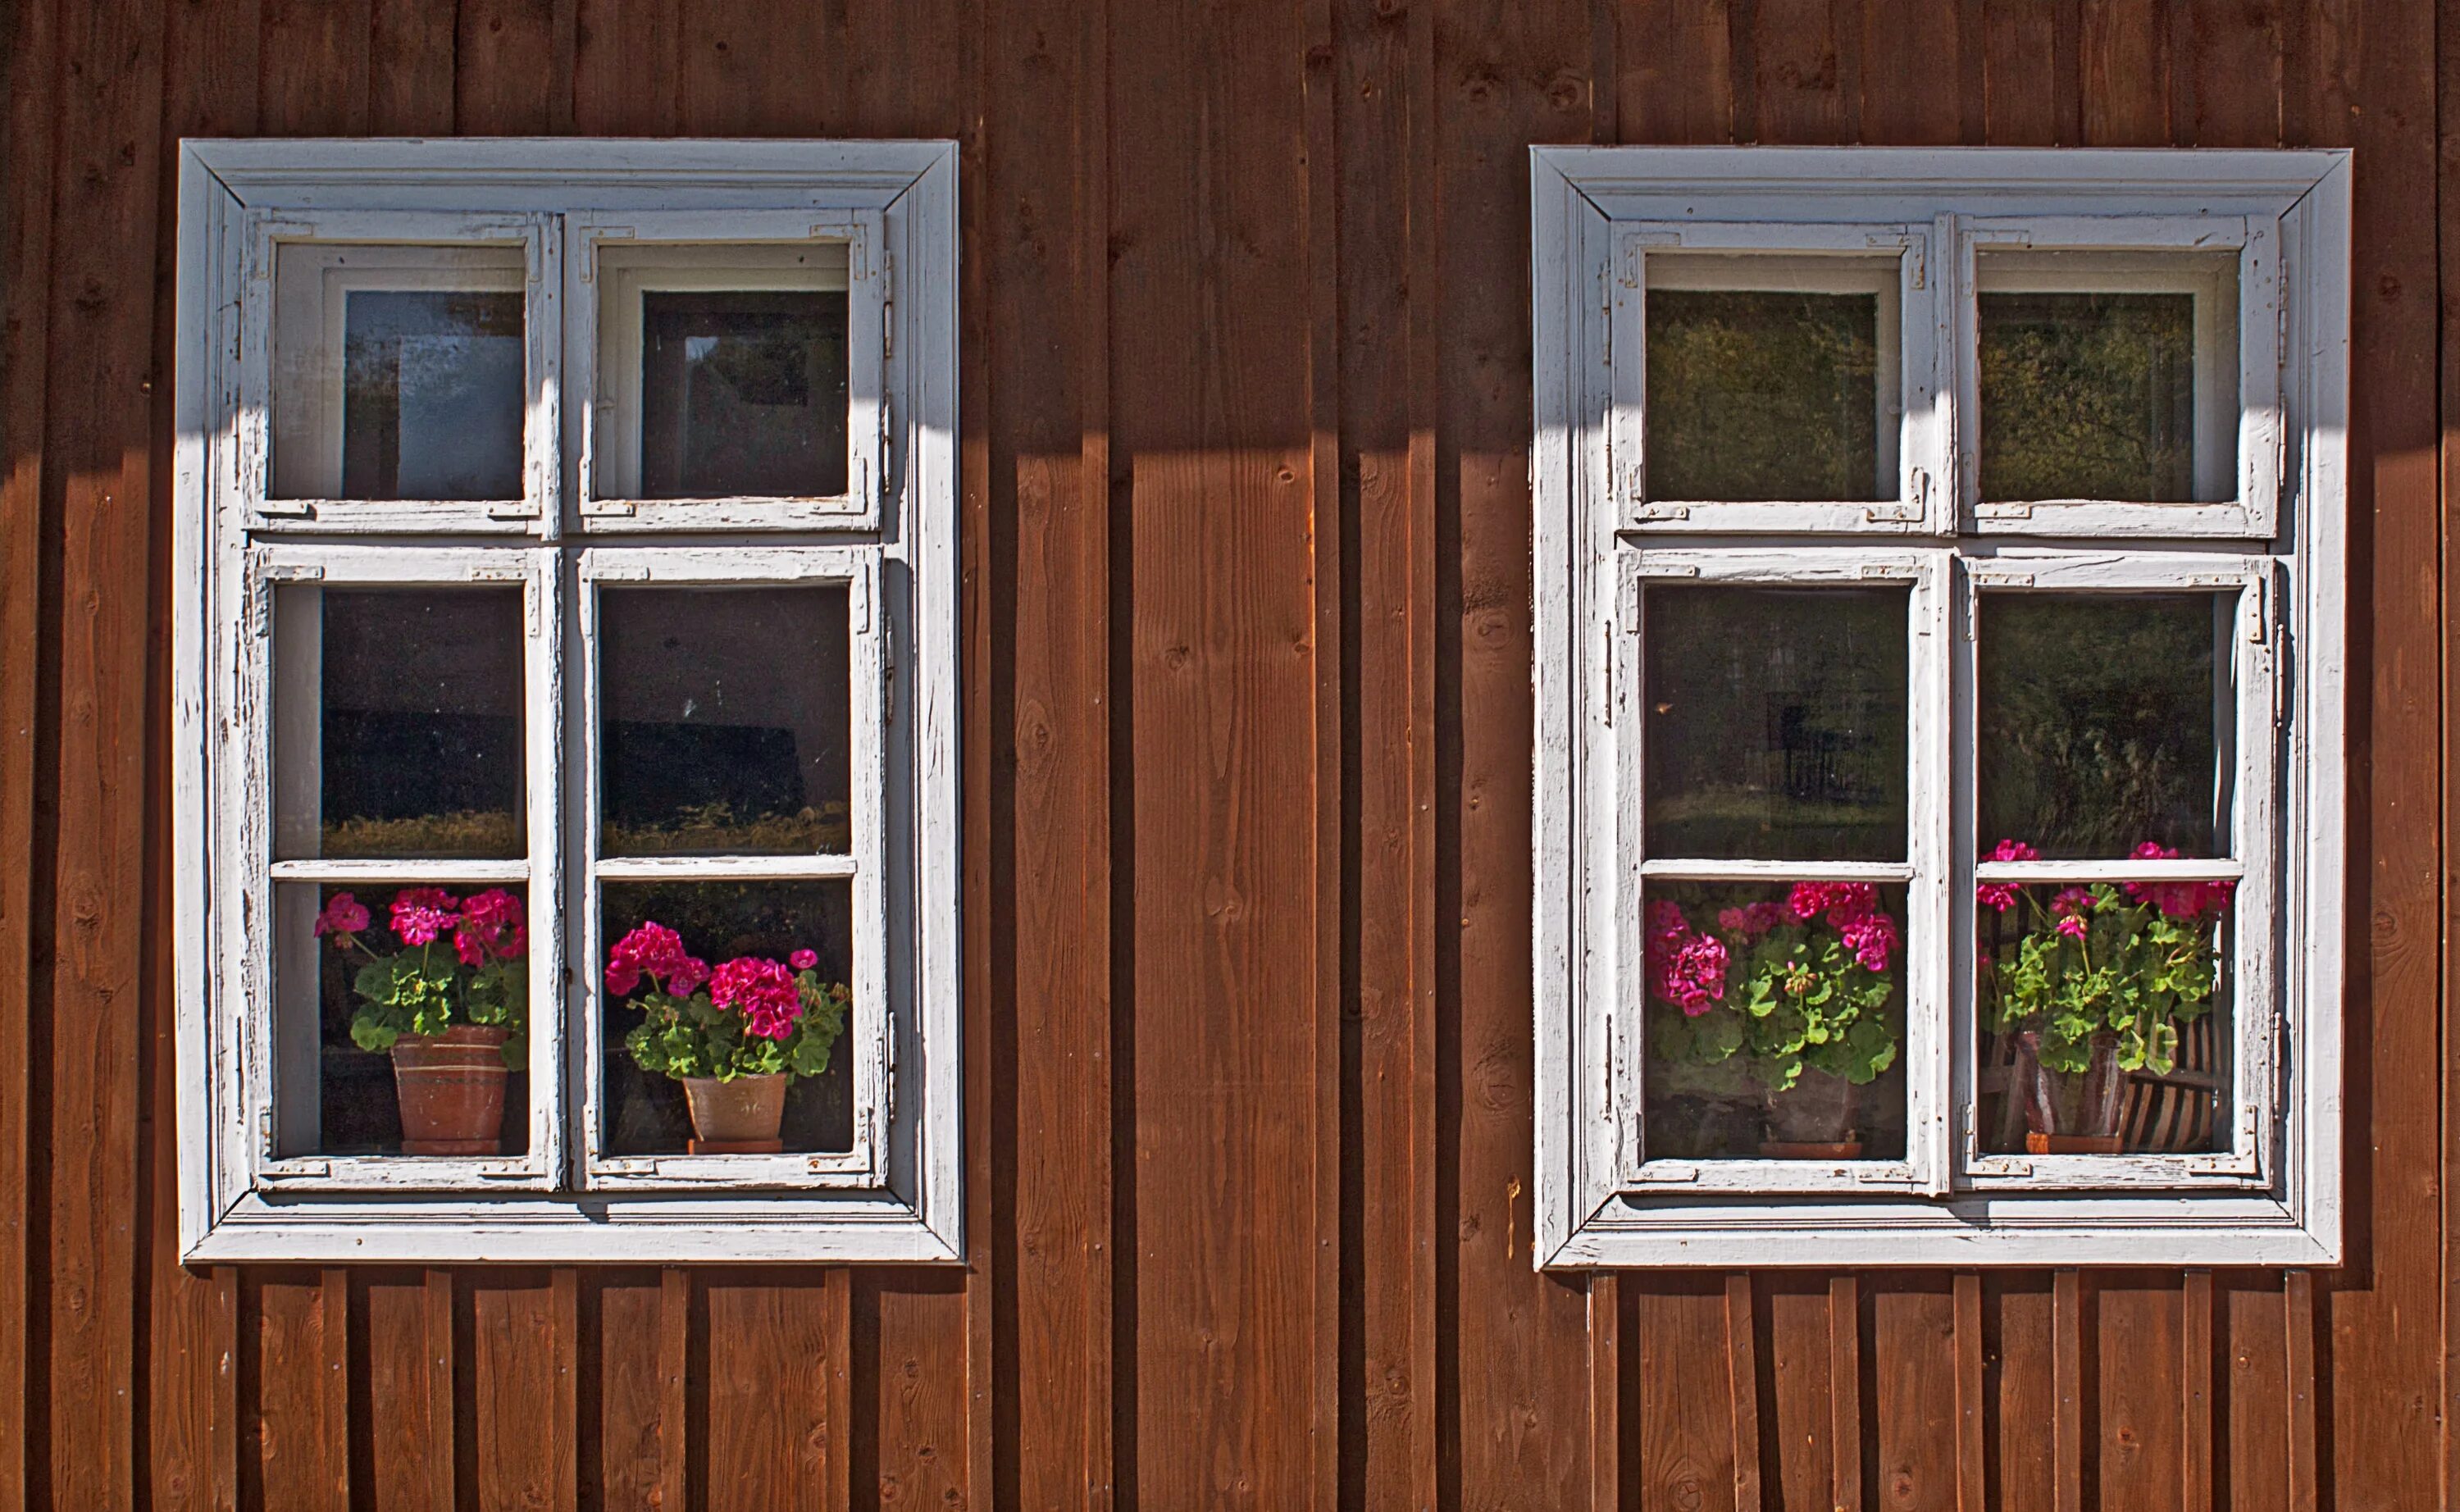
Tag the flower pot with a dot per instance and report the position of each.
(1812, 1120)
(737, 1116)
(451, 1087)
(2071, 1112)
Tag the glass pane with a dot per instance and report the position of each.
(742, 392)
(723, 720)
(2104, 1018)
(413, 744)
(713, 923)
(1776, 722)
(2105, 722)
(1775, 1021)
(403, 1021)
(432, 395)
(1761, 391)
(2089, 378)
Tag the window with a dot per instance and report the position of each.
(1940, 774)
(566, 692)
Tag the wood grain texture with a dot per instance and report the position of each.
(1686, 1424)
(772, 1372)
(294, 1376)
(2140, 1389)
(516, 1408)
(1912, 1415)
(908, 1430)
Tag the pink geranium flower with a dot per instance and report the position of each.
(2073, 926)
(422, 915)
(2000, 896)
(491, 929)
(654, 951)
(762, 991)
(803, 960)
(343, 915)
(2180, 899)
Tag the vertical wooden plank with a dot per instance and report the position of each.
(2233, 60)
(778, 1427)
(2125, 54)
(1046, 258)
(397, 1432)
(2196, 1392)
(1606, 1457)
(409, 68)
(2253, 1475)
(1845, 1391)
(1743, 1386)
(1798, 80)
(314, 68)
(907, 1412)
(675, 1312)
(521, 1389)
(627, 67)
(1912, 1374)
(2020, 1390)
(1686, 1427)
(448, 1448)
(747, 70)
(512, 67)
(1510, 1378)
(100, 361)
(1795, 1407)
(298, 1387)
(1211, 282)
(2142, 1397)
(2028, 78)
(1910, 51)
(25, 306)
(2066, 1352)
(192, 1318)
(1972, 1465)
(1674, 83)
(631, 1395)
(2305, 1471)
(1385, 351)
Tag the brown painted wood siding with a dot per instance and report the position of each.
(1248, 709)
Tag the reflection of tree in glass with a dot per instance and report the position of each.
(2088, 397)
(2098, 721)
(1762, 395)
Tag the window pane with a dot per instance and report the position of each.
(1771, 378)
(2108, 376)
(742, 392)
(403, 1016)
(1776, 722)
(644, 1111)
(399, 373)
(2105, 722)
(1776, 1022)
(413, 743)
(2104, 1022)
(725, 720)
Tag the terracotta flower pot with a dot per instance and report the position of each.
(1812, 1120)
(739, 1117)
(2071, 1112)
(452, 1090)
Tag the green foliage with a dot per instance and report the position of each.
(692, 1037)
(1762, 394)
(2135, 974)
(464, 832)
(426, 990)
(1795, 999)
(2088, 395)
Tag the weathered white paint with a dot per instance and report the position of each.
(2273, 1198)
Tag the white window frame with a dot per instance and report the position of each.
(267, 310)
(898, 1194)
(2274, 1198)
(705, 251)
(1923, 316)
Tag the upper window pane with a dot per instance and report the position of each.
(1776, 722)
(729, 370)
(398, 373)
(724, 721)
(2104, 722)
(2108, 376)
(398, 722)
(1772, 377)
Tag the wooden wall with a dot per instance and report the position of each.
(1246, 408)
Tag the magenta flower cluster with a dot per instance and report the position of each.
(1685, 967)
(485, 926)
(763, 991)
(1852, 910)
(2178, 900)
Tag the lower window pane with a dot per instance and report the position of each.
(2104, 1018)
(402, 1020)
(721, 983)
(1775, 1021)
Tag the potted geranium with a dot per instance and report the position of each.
(2097, 982)
(1797, 994)
(448, 1007)
(734, 1036)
